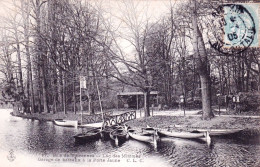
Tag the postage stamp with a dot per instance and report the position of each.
(238, 26)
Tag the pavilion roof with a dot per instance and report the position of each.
(135, 93)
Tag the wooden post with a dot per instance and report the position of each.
(152, 108)
(81, 108)
(219, 105)
(136, 102)
(157, 100)
(117, 102)
(226, 101)
(184, 108)
(145, 103)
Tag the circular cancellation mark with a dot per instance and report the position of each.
(233, 29)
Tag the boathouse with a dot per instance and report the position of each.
(135, 100)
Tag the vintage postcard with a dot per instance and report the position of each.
(129, 83)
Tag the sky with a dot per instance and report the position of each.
(155, 7)
(114, 9)
(5, 6)
(142, 9)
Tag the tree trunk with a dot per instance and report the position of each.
(64, 93)
(202, 61)
(20, 86)
(29, 68)
(90, 106)
(147, 103)
(41, 57)
(38, 89)
(44, 90)
(26, 15)
(206, 100)
(52, 51)
(60, 90)
(54, 90)
(74, 96)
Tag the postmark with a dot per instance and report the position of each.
(235, 28)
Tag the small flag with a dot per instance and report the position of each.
(83, 82)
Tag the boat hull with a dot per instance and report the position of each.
(88, 136)
(92, 125)
(107, 130)
(120, 134)
(65, 123)
(219, 132)
(148, 130)
(184, 135)
(141, 136)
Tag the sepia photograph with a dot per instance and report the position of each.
(130, 83)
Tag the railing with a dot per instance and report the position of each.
(117, 119)
(109, 118)
(95, 118)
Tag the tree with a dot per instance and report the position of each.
(202, 65)
(136, 72)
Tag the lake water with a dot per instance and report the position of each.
(27, 143)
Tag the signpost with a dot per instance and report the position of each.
(182, 103)
(236, 100)
(82, 81)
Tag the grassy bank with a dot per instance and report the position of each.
(250, 125)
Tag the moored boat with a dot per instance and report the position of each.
(219, 132)
(90, 135)
(149, 130)
(182, 134)
(108, 129)
(212, 131)
(119, 135)
(144, 137)
(92, 125)
(66, 123)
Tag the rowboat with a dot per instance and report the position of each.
(119, 135)
(219, 132)
(213, 132)
(144, 137)
(93, 125)
(171, 133)
(148, 129)
(66, 123)
(91, 135)
(108, 129)
(184, 135)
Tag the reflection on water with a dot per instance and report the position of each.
(29, 139)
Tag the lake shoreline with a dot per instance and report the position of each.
(47, 116)
(250, 126)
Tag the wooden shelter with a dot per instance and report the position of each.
(135, 99)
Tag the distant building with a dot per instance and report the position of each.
(135, 100)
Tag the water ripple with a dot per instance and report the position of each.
(36, 137)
